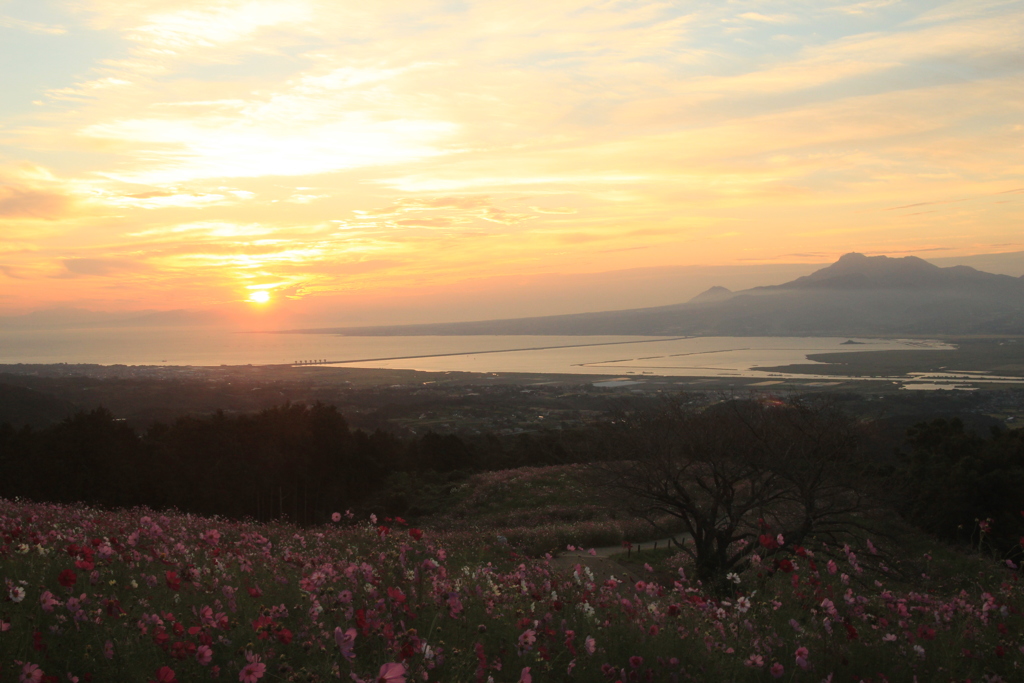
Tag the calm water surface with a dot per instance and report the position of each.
(609, 355)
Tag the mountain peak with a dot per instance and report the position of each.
(857, 271)
(716, 293)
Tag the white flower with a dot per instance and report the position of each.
(16, 594)
(742, 604)
(733, 576)
(919, 650)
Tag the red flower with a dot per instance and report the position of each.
(183, 649)
(165, 674)
(786, 566)
(173, 582)
(768, 542)
(67, 578)
(284, 636)
(416, 534)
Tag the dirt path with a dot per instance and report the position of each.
(600, 562)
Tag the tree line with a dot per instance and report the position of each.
(735, 472)
(293, 461)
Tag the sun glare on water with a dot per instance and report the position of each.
(260, 297)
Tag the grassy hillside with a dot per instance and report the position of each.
(538, 509)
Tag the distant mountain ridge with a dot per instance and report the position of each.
(855, 296)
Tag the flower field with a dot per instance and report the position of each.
(138, 595)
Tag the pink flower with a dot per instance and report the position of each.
(336, 517)
(204, 655)
(391, 673)
(777, 670)
(346, 641)
(636, 661)
(48, 601)
(527, 638)
(801, 657)
(590, 645)
(252, 672)
(755, 661)
(108, 649)
(31, 673)
(525, 677)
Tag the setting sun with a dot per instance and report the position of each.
(260, 297)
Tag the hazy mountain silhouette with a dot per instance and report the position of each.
(856, 295)
(715, 293)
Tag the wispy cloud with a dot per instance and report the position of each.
(309, 146)
(30, 26)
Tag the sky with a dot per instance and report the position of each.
(412, 161)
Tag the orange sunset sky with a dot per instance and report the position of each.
(343, 157)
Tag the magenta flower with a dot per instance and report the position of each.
(31, 673)
(525, 677)
(252, 672)
(777, 670)
(204, 655)
(801, 657)
(391, 673)
(346, 640)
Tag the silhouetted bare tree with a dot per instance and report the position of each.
(737, 474)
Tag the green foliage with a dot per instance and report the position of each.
(962, 487)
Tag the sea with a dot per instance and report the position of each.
(591, 355)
